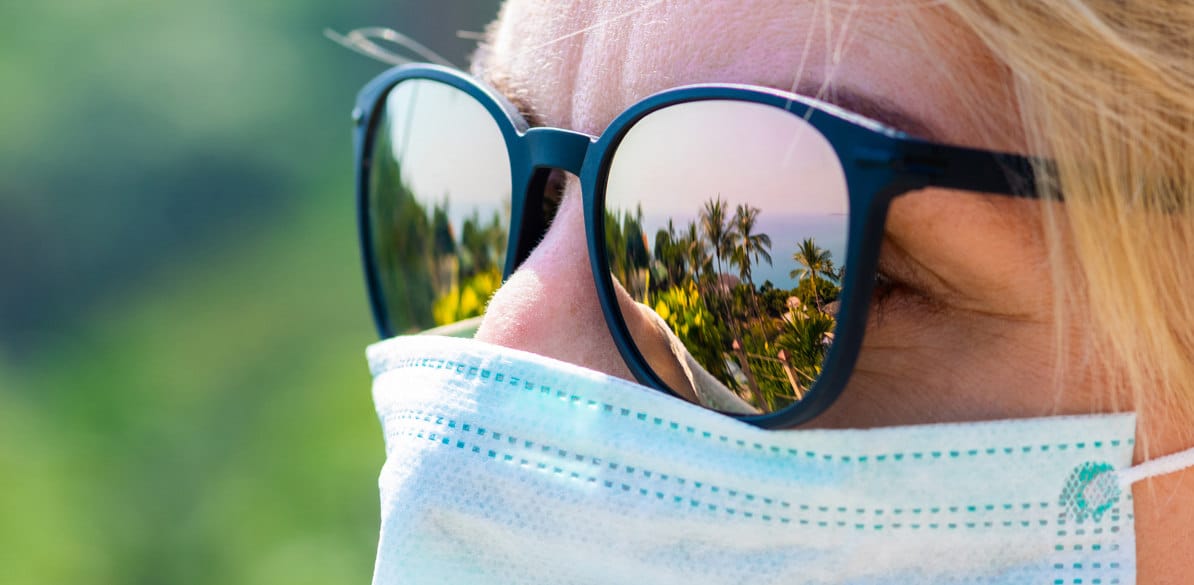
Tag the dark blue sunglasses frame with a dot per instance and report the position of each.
(880, 164)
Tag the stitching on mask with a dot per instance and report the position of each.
(501, 378)
(499, 456)
(1086, 569)
(573, 457)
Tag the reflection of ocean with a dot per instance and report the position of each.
(786, 233)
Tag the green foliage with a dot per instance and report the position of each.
(183, 392)
(213, 426)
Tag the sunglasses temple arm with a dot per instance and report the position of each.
(954, 167)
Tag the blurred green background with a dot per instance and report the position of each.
(183, 391)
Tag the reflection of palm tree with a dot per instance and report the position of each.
(741, 335)
(749, 244)
(670, 252)
(695, 251)
(815, 262)
(713, 227)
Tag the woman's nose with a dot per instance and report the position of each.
(549, 305)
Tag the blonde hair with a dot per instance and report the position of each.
(1106, 88)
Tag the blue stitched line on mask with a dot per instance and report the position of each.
(1088, 569)
(1094, 572)
(468, 371)
(503, 457)
(418, 415)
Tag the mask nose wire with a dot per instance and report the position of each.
(541, 150)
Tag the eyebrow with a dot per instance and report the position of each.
(504, 86)
(877, 108)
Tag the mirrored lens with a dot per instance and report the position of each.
(726, 226)
(438, 207)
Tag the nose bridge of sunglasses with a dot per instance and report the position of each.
(555, 148)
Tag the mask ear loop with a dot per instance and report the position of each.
(365, 42)
(1156, 467)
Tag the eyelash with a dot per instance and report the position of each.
(891, 294)
(884, 287)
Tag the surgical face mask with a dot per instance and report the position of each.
(507, 467)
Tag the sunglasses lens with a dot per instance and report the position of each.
(438, 208)
(726, 227)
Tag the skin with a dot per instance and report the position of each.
(965, 333)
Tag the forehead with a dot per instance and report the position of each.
(578, 63)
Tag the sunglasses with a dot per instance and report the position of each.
(733, 231)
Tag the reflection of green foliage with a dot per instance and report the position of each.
(774, 390)
(626, 247)
(772, 301)
(669, 257)
(467, 300)
(482, 246)
(636, 240)
(445, 241)
(475, 266)
(403, 240)
(816, 292)
(805, 339)
(765, 342)
(703, 334)
(427, 264)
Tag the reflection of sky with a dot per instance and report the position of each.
(746, 152)
(451, 147)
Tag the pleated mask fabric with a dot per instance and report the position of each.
(508, 467)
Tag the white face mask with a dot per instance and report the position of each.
(507, 467)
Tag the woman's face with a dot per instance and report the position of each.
(965, 332)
